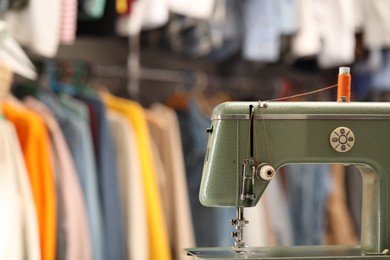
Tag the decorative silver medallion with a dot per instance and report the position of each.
(342, 139)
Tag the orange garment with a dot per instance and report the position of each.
(158, 233)
(35, 145)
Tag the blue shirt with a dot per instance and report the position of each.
(107, 179)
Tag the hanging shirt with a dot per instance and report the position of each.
(35, 145)
(171, 152)
(132, 190)
(19, 237)
(375, 23)
(130, 4)
(278, 212)
(354, 193)
(288, 14)
(228, 23)
(76, 223)
(201, 9)
(156, 129)
(308, 188)
(10, 208)
(340, 230)
(380, 79)
(216, 231)
(327, 29)
(92, 9)
(78, 137)
(264, 23)
(37, 26)
(262, 31)
(258, 231)
(73, 118)
(158, 234)
(121, 6)
(107, 177)
(145, 14)
(4, 5)
(68, 21)
(61, 232)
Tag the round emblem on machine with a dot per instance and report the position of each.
(342, 139)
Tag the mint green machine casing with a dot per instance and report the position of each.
(300, 133)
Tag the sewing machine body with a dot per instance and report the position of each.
(299, 132)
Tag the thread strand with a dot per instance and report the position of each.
(304, 94)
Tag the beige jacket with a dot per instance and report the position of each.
(168, 140)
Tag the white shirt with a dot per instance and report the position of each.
(19, 237)
(131, 187)
(38, 26)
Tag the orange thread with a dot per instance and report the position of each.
(344, 85)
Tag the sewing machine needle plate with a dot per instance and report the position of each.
(271, 253)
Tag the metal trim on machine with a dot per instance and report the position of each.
(302, 117)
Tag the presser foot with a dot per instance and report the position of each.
(239, 223)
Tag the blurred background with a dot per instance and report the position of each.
(104, 106)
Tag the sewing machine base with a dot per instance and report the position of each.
(293, 252)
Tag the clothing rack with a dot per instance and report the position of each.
(193, 80)
(264, 84)
(200, 81)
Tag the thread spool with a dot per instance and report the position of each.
(344, 85)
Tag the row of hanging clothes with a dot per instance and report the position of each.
(98, 176)
(258, 30)
(88, 175)
(140, 201)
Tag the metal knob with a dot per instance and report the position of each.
(265, 172)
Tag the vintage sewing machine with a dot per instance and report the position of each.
(249, 141)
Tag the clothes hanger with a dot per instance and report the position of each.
(77, 73)
(6, 78)
(80, 75)
(208, 93)
(178, 100)
(180, 97)
(13, 55)
(196, 85)
(53, 69)
(198, 92)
